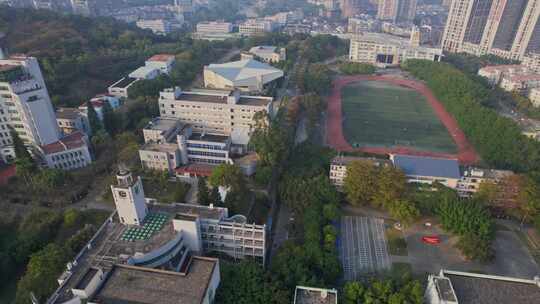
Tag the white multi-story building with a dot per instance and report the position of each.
(269, 54)
(98, 102)
(313, 295)
(152, 68)
(170, 144)
(68, 153)
(214, 27)
(157, 26)
(495, 73)
(247, 75)
(26, 108)
(120, 88)
(83, 7)
(520, 83)
(162, 62)
(215, 112)
(472, 178)
(387, 50)
(532, 62)
(534, 97)
(505, 28)
(71, 120)
(457, 287)
(256, 27)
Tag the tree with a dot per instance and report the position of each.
(24, 162)
(498, 139)
(360, 182)
(180, 191)
(109, 119)
(227, 175)
(41, 273)
(472, 222)
(246, 283)
(93, 119)
(384, 291)
(529, 199)
(474, 247)
(215, 197)
(203, 195)
(269, 140)
(391, 186)
(404, 211)
(352, 68)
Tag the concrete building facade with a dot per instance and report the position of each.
(246, 75)
(385, 50)
(256, 27)
(453, 287)
(71, 120)
(26, 108)
(397, 11)
(170, 144)
(215, 112)
(214, 27)
(505, 28)
(268, 54)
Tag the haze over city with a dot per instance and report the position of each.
(269, 151)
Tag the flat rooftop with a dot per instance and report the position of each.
(346, 160)
(161, 147)
(68, 113)
(427, 166)
(138, 285)
(387, 39)
(209, 137)
(161, 58)
(207, 212)
(481, 289)
(309, 295)
(108, 247)
(124, 82)
(253, 101)
(222, 99)
(161, 124)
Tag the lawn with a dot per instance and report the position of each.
(379, 114)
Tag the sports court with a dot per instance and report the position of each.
(363, 246)
(393, 114)
(382, 114)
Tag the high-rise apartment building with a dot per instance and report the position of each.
(507, 28)
(25, 107)
(83, 7)
(397, 10)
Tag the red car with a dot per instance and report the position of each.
(432, 239)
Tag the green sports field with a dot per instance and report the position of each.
(380, 114)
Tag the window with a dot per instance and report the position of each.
(122, 194)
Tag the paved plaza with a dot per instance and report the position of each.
(363, 246)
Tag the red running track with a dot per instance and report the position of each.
(335, 138)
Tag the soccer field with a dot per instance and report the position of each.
(381, 114)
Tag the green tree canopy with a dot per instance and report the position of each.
(227, 175)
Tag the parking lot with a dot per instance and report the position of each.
(363, 246)
(512, 258)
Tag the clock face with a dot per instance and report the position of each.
(122, 193)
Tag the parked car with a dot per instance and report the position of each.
(431, 239)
